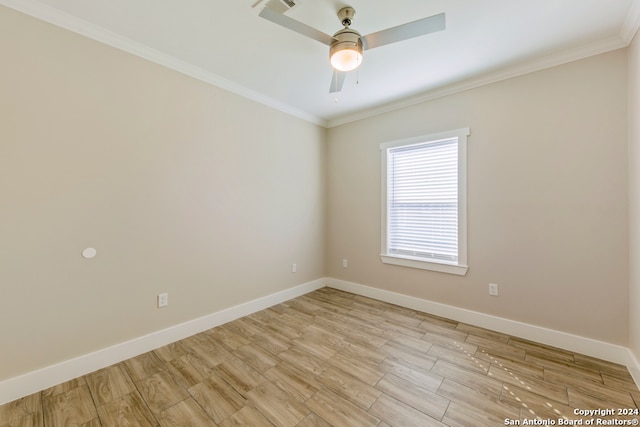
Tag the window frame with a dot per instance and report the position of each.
(460, 267)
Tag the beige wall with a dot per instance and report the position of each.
(547, 199)
(188, 189)
(182, 188)
(634, 195)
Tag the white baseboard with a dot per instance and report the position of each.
(32, 382)
(587, 346)
(634, 368)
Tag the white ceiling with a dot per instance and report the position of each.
(226, 43)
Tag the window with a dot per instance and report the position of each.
(424, 202)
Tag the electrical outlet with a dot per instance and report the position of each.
(493, 289)
(294, 268)
(345, 263)
(163, 300)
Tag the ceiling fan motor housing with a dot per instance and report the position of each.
(346, 37)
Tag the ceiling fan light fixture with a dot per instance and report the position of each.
(345, 52)
(346, 59)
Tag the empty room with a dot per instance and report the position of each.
(319, 213)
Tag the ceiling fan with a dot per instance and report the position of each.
(346, 46)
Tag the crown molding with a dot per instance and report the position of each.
(632, 23)
(69, 22)
(627, 32)
(501, 74)
(87, 29)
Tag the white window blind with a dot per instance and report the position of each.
(424, 202)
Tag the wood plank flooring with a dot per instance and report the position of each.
(330, 358)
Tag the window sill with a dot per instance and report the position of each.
(460, 270)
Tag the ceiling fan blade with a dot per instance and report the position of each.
(296, 26)
(405, 31)
(337, 80)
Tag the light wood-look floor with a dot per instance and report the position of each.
(331, 358)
